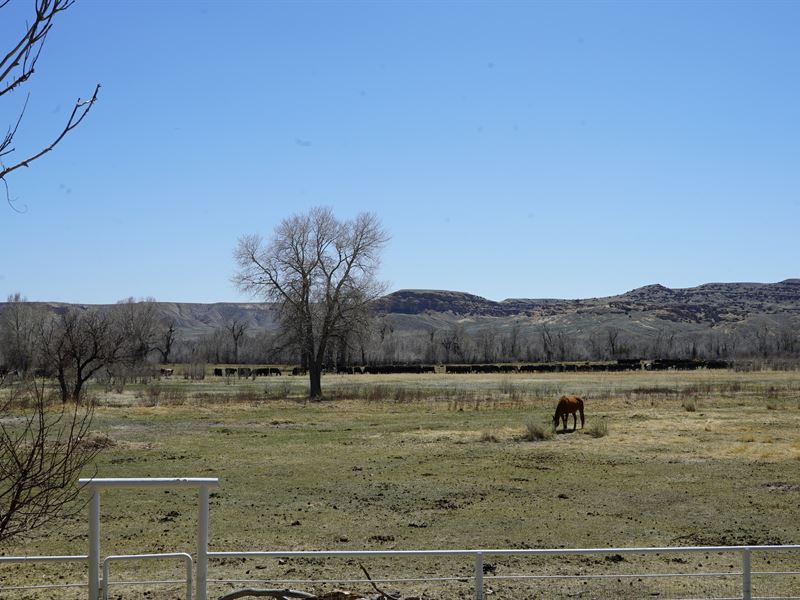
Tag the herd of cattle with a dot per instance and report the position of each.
(587, 367)
(565, 367)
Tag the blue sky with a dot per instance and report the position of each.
(525, 149)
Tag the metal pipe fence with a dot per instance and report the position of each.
(476, 577)
(187, 581)
(480, 577)
(736, 583)
(42, 559)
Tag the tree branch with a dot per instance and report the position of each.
(79, 112)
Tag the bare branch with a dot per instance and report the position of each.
(42, 452)
(375, 587)
(25, 53)
(16, 67)
(79, 112)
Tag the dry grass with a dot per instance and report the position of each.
(535, 432)
(440, 464)
(598, 429)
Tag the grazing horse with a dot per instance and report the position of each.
(568, 405)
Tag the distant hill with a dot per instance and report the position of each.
(713, 320)
(712, 303)
(641, 318)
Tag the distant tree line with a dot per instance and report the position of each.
(377, 342)
(129, 341)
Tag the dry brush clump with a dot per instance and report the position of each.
(488, 436)
(597, 428)
(536, 432)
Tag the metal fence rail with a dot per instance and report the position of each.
(479, 578)
(105, 583)
(475, 576)
(187, 581)
(40, 559)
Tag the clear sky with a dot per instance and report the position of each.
(517, 149)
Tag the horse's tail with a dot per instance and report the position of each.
(580, 408)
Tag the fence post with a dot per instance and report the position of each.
(479, 576)
(747, 589)
(189, 583)
(202, 544)
(94, 544)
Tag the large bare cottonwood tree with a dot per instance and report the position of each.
(18, 59)
(322, 272)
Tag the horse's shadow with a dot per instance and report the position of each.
(561, 431)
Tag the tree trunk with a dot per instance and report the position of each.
(315, 380)
(62, 382)
(76, 392)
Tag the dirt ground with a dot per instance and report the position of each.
(428, 462)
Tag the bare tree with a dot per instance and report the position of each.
(236, 329)
(138, 321)
(510, 343)
(42, 451)
(76, 344)
(212, 346)
(322, 273)
(17, 339)
(454, 341)
(612, 345)
(17, 65)
(564, 346)
(547, 343)
(763, 340)
(166, 337)
(788, 341)
(487, 344)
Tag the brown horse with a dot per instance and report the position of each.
(568, 405)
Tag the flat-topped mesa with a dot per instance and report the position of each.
(420, 301)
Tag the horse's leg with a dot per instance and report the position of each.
(574, 421)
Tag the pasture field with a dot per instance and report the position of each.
(440, 461)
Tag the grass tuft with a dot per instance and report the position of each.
(534, 432)
(598, 429)
(488, 436)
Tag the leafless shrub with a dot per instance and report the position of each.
(174, 397)
(45, 445)
(195, 371)
(152, 393)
